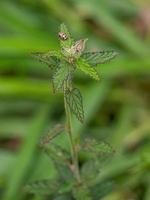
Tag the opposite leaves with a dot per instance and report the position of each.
(74, 100)
(100, 57)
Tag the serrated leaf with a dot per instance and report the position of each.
(60, 75)
(43, 187)
(51, 58)
(86, 68)
(74, 100)
(68, 41)
(54, 187)
(100, 57)
(57, 130)
(98, 148)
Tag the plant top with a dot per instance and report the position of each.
(66, 61)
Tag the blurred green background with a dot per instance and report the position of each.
(117, 108)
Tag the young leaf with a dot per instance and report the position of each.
(74, 100)
(60, 75)
(65, 37)
(43, 187)
(95, 58)
(78, 48)
(57, 130)
(86, 68)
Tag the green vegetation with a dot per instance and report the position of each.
(116, 107)
(79, 179)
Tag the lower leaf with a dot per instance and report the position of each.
(43, 187)
(57, 130)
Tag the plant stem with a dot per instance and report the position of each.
(74, 154)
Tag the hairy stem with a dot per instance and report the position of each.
(74, 154)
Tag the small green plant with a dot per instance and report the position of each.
(72, 182)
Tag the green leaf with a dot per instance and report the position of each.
(68, 42)
(96, 147)
(57, 130)
(100, 57)
(60, 75)
(56, 152)
(74, 100)
(43, 187)
(86, 68)
(52, 58)
(53, 187)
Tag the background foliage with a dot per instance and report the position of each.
(116, 108)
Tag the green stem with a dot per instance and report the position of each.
(74, 154)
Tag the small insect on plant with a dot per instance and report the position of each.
(73, 181)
